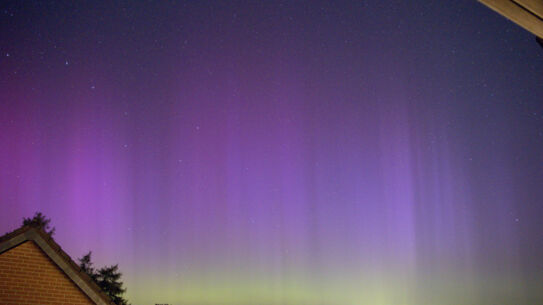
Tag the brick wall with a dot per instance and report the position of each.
(28, 276)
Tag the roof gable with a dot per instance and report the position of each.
(58, 256)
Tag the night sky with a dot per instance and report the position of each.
(280, 153)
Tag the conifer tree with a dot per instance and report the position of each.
(85, 264)
(107, 278)
(40, 221)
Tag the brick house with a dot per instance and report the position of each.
(34, 270)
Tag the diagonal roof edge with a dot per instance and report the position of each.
(525, 13)
(48, 245)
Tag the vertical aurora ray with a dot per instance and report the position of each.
(280, 153)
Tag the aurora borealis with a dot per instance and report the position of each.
(280, 152)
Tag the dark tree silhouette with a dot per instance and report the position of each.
(40, 221)
(85, 264)
(107, 278)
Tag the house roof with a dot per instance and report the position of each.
(526, 13)
(48, 245)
